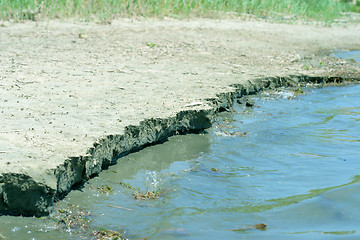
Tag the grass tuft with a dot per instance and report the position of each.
(108, 9)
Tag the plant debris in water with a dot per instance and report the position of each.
(76, 221)
(72, 219)
(221, 127)
(298, 91)
(127, 185)
(105, 189)
(147, 195)
(260, 226)
(235, 133)
(107, 234)
(141, 195)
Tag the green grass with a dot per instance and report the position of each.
(107, 9)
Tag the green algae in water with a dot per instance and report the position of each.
(296, 170)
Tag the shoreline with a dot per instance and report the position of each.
(43, 162)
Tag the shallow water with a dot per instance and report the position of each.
(355, 55)
(296, 170)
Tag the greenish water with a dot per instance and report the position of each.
(296, 170)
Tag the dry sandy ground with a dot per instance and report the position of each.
(64, 85)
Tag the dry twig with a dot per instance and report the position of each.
(129, 209)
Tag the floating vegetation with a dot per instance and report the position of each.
(236, 133)
(72, 219)
(229, 133)
(107, 234)
(298, 91)
(142, 195)
(229, 120)
(105, 189)
(224, 126)
(147, 195)
(128, 186)
(76, 221)
(260, 226)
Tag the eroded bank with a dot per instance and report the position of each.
(72, 105)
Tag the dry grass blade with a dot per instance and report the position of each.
(129, 209)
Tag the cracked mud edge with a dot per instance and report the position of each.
(21, 195)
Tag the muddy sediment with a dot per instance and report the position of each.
(72, 106)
